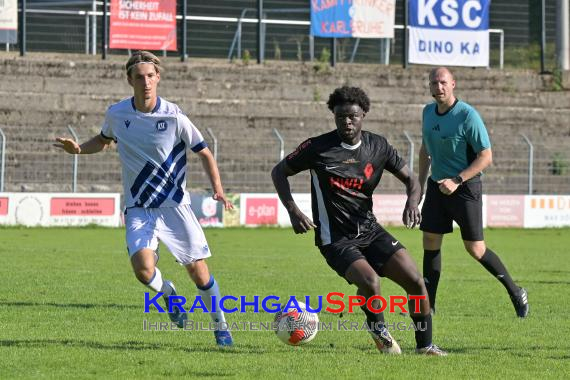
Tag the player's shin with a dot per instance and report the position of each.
(167, 288)
(206, 292)
(373, 320)
(158, 284)
(423, 330)
(494, 265)
(431, 272)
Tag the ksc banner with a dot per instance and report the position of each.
(449, 32)
(143, 24)
(353, 18)
(8, 21)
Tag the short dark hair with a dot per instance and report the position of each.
(353, 95)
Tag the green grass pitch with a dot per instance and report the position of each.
(71, 308)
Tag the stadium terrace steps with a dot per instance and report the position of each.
(72, 66)
(115, 89)
(213, 113)
(43, 94)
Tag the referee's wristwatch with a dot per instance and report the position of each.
(458, 180)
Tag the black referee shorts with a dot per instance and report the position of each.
(376, 247)
(464, 206)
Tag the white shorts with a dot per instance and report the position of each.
(176, 227)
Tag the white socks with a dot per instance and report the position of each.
(158, 285)
(206, 292)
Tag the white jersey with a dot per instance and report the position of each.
(152, 148)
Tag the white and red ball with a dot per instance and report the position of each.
(296, 327)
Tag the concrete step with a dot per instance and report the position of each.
(380, 92)
(404, 114)
(72, 66)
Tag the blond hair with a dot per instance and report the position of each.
(142, 56)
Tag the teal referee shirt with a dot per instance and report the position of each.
(453, 138)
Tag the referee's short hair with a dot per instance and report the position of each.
(142, 56)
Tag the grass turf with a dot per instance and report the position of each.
(71, 308)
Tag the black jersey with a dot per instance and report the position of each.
(343, 178)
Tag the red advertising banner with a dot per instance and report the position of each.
(261, 211)
(4, 206)
(143, 24)
(505, 210)
(82, 206)
(389, 208)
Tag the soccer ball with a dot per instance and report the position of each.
(296, 328)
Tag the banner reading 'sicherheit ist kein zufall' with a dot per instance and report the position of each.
(143, 24)
(449, 32)
(353, 18)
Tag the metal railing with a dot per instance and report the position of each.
(215, 140)
(242, 19)
(245, 163)
(411, 156)
(75, 160)
(281, 143)
(530, 162)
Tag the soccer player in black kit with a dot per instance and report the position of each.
(346, 165)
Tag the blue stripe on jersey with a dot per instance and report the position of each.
(144, 173)
(167, 189)
(159, 177)
(151, 187)
(177, 197)
(198, 147)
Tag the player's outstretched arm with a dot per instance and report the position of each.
(94, 145)
(301, 223)
(211, 168)
(412, 215)
(424, 164)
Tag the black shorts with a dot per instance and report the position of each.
(376, 247)
(464, 206)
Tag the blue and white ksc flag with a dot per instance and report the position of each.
(449, 32)
(353, 18)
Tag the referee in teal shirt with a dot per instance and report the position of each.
(456, 145)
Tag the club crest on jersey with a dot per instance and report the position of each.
(161, 125)
(127, 124)
(368, 170)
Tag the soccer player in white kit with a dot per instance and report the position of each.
(152, 136)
